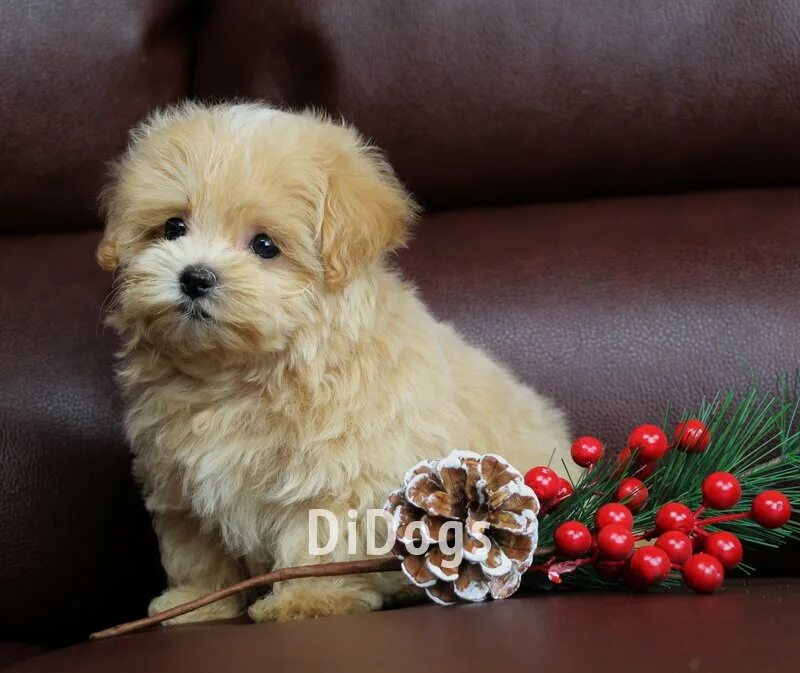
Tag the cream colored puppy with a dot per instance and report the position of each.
(272, 361)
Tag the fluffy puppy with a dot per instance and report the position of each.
(272, 362)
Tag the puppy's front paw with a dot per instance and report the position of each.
(292, 603)
(227, 608)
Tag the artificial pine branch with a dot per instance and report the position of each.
(756, 438)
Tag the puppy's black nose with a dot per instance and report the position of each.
(197, 281)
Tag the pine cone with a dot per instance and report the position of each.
(489, 499)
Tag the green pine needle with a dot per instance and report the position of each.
(755, 436)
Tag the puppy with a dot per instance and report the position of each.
(272, 362)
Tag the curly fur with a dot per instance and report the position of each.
(314, 379)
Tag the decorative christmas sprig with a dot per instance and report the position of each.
(662, 512)
(682, 496)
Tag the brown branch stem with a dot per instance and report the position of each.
(300, 572)
(267, 579)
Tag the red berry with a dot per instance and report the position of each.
(649, 565)
(703, 573)
(644, 470)
(632, 580)
(624, 456)
(692, 435)
(674, 516)
(573, 539)
(613, 512)
(623, 460)
(609, 569)
(543, 481)
(721, 490)
(633, 492)
(564, 488)
(615, 542)
(587, 451)
(650, 441)
(677, 545)
(771, 509)
(725, 547)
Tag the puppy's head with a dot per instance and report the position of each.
(229, 226)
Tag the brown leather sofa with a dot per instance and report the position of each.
(613, 211)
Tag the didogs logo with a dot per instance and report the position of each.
(418, 538)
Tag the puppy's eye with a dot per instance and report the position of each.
(174, 228)
(264, 246)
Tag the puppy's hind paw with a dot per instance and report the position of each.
(292, 604)
(227, 608)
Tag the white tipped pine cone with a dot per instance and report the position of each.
(495, 517)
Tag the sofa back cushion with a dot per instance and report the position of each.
(74, 76)
(498, 101)
(480, 102)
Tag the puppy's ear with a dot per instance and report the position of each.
(107, 255)
(366, 213)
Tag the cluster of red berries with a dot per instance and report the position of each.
(681, 539)
(548, 486)
(646, 446)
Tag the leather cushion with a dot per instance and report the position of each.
(599, 632)
(74, 76)
(615, 307)
(11, 652)
(77, 547)
(611, 307)
(501, 101)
